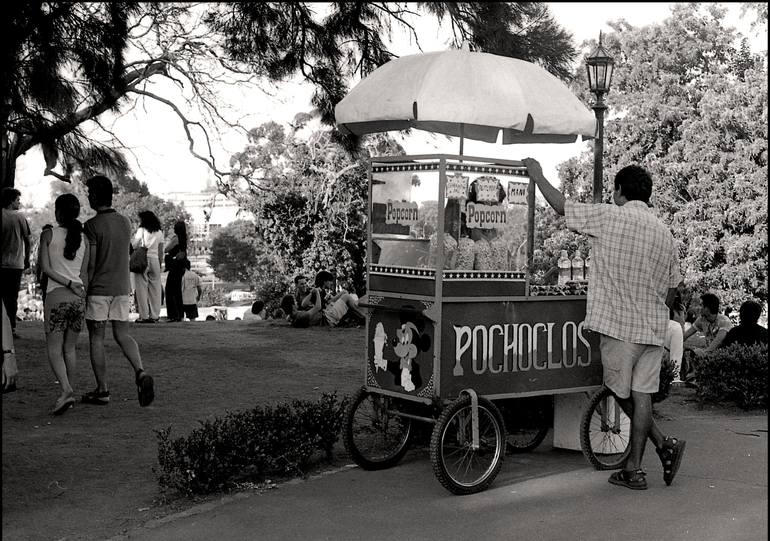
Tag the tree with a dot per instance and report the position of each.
(238, 254)
(68, 66)
(692, 109)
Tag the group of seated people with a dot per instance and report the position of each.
(320, 305)
(688, 342)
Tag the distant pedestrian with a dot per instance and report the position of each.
(64, 258)
(147, 283)
(176, 253)
(191, 292)
(109, 236)
(16, 246)
(633, 284)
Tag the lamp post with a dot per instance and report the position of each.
(599, 65)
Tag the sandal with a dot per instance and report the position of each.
(61, 406)
(634, 480)
(100, 398)
(144, 388)
(670, 457)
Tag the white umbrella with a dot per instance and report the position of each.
(466, 94)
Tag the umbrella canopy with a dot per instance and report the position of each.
(466, 94)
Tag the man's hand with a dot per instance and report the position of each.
(533, 168)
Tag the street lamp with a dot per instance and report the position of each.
(599, 65)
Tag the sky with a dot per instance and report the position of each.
(160, 150)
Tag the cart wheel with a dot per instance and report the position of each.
(375, 435)
(605, 431)
(523, 440)
(457, 466)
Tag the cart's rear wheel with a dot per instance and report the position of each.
(460, 468)
(375, 435)
(605, 431)
(523, 440)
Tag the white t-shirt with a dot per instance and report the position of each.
(190, 283)
(142, 237)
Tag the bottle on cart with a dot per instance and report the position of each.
(587, 264)
(577, 267)
(565, 268)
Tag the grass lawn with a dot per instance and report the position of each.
(88, 474)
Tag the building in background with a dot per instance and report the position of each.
(209, 212)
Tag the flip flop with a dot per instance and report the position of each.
(59, 409)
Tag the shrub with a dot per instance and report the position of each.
(737, 373)
(281, 440)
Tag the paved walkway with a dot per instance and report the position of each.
(719, 494)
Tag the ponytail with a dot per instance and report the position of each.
(67, 211)
(74, 238)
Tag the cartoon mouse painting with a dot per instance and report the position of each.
(408, 344)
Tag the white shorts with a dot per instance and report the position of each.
(630, 367)
(104, 308)
(335, 312)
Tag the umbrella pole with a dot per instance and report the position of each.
(462, 133)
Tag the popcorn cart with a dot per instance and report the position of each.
(458, 335)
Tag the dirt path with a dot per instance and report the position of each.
(88, 474)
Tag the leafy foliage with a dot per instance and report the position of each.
(692, 109)
(250, 445)
(64, 64)
(309, 197)
(736, 373)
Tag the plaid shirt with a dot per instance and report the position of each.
(633, 264)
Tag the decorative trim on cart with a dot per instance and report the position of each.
(484, 275)
(492, 169)
(403, 271)
(405, 167)
(371, 381)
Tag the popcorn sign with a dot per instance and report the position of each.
(517, 192)
(401, 213)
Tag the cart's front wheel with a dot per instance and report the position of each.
(375, 435)
(605, 431)
(456, 464)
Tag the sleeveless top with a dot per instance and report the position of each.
(142, 237)
(67, 268)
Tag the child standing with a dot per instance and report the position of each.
(191, 292)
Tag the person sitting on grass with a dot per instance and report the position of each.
(337, 308)
(257, 311)
(748, 332)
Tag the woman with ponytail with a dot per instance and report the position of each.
(64, 254)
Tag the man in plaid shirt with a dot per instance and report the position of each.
(633, 281)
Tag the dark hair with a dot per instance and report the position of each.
(635, 183)
(180, 229)
(67, 208)
(323, 276)
(287, 304)
(9, 195)
(749, 312)
(677, 306)
(187, 264)
(710, 301)
(99, 191)
(149, 221)
(257, 307)
(298, 278)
